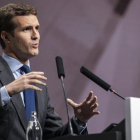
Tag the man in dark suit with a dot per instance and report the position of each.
(19, 38)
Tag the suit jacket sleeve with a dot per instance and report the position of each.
(53, 126)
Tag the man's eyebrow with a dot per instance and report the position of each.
(28, 26)
(37, 25)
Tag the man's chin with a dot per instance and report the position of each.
(32, 55)
(35, 53)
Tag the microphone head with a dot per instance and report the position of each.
(95, 78)
(60, 68)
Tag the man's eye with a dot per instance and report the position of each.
(37, 28)
(26, 29)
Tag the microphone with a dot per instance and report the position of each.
(61, 75)
(98, 81)
(60, 68)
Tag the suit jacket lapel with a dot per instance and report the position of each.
(7, 77)
(39, 105)
(18, 104)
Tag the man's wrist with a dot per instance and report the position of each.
(81, 123)
(5, 98)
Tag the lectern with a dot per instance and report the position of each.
(132, 117)
(127, 129)
(102, 136)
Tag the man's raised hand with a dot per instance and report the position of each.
(26, 81)
(85, 110)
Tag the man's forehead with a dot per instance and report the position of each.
(27, 20)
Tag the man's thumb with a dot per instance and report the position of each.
(71, 102)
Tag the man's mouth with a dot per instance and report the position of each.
(35, 45)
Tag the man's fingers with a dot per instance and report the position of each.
(35, 76)
(94, 106)
(35, 73)
(71, 103)
(89, 96)
(95, 112)
(34, 81)
(38, 74)
(34, 87)
(93, 101)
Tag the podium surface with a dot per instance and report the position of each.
(101, 136)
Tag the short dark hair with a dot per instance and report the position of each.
(8, 12)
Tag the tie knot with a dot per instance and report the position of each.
(25, 68)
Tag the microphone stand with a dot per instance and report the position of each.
(69, 122)
(113, 91)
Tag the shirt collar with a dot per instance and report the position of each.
(13, 63)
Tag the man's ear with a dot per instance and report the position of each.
(6, 37)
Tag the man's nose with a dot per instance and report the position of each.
(35, 34)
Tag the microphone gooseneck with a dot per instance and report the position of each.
(61, 75)
(98, 81)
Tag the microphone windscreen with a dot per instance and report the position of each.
(60, 68)
(94, 78)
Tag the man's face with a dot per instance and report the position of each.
(24, 44)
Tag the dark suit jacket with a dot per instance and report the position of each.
(13, 121)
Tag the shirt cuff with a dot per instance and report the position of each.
(5, 98)
(79, 128)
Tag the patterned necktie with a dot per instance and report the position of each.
(29, 96)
